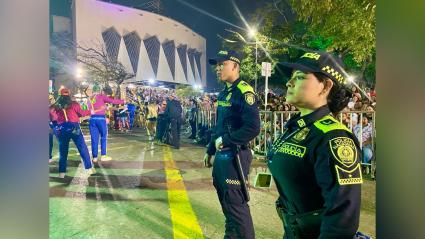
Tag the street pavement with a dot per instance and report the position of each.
(155, 191)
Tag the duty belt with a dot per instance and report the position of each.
(243, 147)
(297, 223)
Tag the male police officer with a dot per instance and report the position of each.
(173, 112)
(238, 122)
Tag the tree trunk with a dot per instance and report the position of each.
(363, 71)
(118, 92)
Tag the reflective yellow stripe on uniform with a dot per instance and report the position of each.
(329, 123)
(244, 87)
(185, 223)
(223, 103)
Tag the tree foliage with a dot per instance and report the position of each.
(349, 23)
(287, 28)
(185, 91)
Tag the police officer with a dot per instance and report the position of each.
(315, 163)
(238, 122)
(173, 113)
(193, 113)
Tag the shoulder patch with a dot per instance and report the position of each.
(329, 123)
(343, 150)
(347, 177)
(300, 136)
(244, 87)
(250, 98)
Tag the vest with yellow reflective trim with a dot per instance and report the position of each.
(230, 103)
(302, 159)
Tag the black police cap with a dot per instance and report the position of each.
(226, 55)
(317, 62)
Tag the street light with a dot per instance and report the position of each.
(79, 72)
(252, 32)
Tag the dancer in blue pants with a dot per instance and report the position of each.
(97, 124)
(52, 125)
(68, 113)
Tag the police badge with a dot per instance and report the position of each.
(344, 150)
(300, 136)
(250, 98)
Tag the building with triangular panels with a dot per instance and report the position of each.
(149, 45)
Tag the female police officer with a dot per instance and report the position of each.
(315, 163)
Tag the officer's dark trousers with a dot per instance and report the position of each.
(160, 127)
(98, 127)
(67, 132)
(175, 132)
(233, 203)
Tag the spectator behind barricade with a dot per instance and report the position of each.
(372, 93)
(370, 111)
(366, 139)
(352, 102)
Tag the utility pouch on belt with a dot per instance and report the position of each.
(302, 225)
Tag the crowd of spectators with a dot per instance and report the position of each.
(358, 116)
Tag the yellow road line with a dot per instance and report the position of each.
(185, 223)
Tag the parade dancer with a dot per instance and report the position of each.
(97, 123)
(52, 124)
(68, 113)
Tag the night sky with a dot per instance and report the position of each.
(206, 26)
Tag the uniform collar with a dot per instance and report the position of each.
(297, 121)
(234, 84)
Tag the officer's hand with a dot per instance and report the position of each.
(219, 143)
(207, 160)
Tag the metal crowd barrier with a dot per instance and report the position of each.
(273, 127)
(273, 122)
(206, 118)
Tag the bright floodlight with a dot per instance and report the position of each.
(350, 78)
(79, 73)
(252, 32)
(197, 86)
(151, 81)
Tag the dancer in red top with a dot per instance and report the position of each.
(68, 113)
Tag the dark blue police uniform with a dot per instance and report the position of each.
(316, 167)
(238, 122)
(173, 113)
